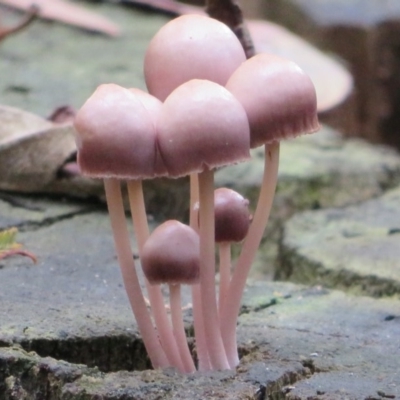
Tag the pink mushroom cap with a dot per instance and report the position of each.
(115, 135)
(279, 98)
(171, 254)
(202, 126)
(191, 47)
(232, 216)
(153, 106)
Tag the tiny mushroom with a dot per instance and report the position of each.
(201, 127)
(118, 121)
(190, 47)
(232, 221)
(115, 137)
(171, 255)
(111, 126)
(139, 218)
(280, 102)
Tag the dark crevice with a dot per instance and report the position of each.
(32, 374)
(279, 389)
(19, 202)
(23, 377)
(245, 309)
(30, 226)
(29, 203)
(107, 353)
(285, 384)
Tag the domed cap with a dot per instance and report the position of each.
(191, 47)
(153, 106)
(202, 126)
(232, 216)
(115, 135)
(172, 254)
(279, 98)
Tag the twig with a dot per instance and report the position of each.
(229, 12)
(28, 19)
(16, 252)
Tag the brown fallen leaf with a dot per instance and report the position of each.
(33, 153)
(68, 13)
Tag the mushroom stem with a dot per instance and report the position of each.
(224, 271)
(130, 278)
(179, 328)
(198, 320)
(141, 228)
(212, 330)
(231, 307)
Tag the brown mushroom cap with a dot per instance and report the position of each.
(190, 47)
(115, 135)
(171, 254)
(232, 216)
(278, 96)
(201, 126)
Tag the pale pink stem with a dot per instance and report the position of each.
(215, 346)
(198, 321)
(161, 319)
(129, 276)
(231, 307)
(179, 328)
(224, 272)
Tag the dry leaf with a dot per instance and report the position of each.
(33, 152)
(68, 13)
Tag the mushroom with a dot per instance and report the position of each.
(139, 219)
(201, 127)
(192, 47)
(110, 128)
(171, 255)
(280, 102)
(232, 221)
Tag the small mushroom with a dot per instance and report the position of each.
(280, 102)
(232, 221)
(201, 127)
(111, 126)
(115, 137)
(171, 255)
(279, 98)
(190, 47)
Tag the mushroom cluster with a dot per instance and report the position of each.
(207, 106)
